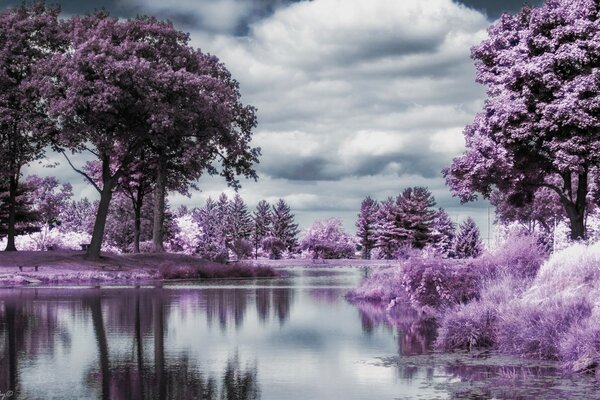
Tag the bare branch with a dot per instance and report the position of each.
(86, 176)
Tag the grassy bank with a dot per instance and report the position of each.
(59, 267)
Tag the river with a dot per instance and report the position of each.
(289, 338)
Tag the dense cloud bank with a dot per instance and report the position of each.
(353, 97)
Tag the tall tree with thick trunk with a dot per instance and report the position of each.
(540, 126)
(108, 94)
(209, 132)
(29, 36)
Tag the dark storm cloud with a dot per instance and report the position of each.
(495, 8)
(189, 15)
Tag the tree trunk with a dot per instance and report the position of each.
(102, 342)
(576, 210)
(93, 252)
(12, 211)
(12, 346)
(139, 343)
(137, 226)
(159, 206)
(159, 347)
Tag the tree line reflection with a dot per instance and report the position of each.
(33, 323)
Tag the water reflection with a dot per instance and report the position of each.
(293, 338)
(129, 329)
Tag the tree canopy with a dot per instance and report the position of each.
(540, 123)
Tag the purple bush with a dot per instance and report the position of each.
(383, 284)
(528, 330)
(438, 282)
(210, 270)
(468, 326)
(475, 324)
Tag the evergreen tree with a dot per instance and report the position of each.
(415, 216)
(26, 218)
(224, 218)
(240, 221)
(211, 244)
(386, 237)
(283, 227)
(366, 226)
(261, 224)
(468, 241)
(443, 233)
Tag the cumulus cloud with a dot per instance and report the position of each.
(354, 97)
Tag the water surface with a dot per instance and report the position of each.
(283, 339)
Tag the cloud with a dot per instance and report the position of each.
(354, 97)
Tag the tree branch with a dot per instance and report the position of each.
(86, 176)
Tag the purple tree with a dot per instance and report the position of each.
(538, 212)
(443, 233)
(24, 218)
(105, 93)
(541, 120)
(327, 239)
(209, 127)
(261, 224)
(388, 238)
(30, 34)
(240, 221)
(468, 241)
(78, 216)
(49, 199)
(283, 226)
(415, 216)
(211, 244)
(366, 226)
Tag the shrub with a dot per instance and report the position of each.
(475, 324)
(383, 284)
(438, 282)
(580, 348)
(468, 326)
(209, 270)
(526, 329)
(242, 248)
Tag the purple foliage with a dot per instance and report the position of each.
(327, 240)
(468, 326)
(528, 330)
(283, 225)
(539, 68)
(383, 284)
(468, 241)
(170, 270)
(366, 226)
(438, 282)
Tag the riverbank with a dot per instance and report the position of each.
(308, 262)
(70, 267)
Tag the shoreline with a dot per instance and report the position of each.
(69, 267)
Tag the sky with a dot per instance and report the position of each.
(355, 98)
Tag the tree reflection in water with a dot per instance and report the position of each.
(415, 333)
(142, 369)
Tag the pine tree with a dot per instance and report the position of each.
(443, 233)
(224, 218)
(366, 226)
(26, 218)
(415, 216)
(261, 224)
(240, 221)
(386, 234)
(283, 227)
(468, 241)
(211, 244)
